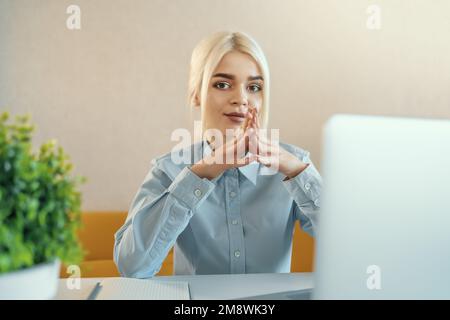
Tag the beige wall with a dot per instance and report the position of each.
(112, 92)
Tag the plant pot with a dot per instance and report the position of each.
(37, 282)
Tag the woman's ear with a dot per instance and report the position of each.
(197, 101)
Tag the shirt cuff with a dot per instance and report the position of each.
(305, 186)
(190, 189)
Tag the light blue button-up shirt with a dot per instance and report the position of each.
(240, 222)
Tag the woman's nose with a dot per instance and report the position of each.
(240, 98)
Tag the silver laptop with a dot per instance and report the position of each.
(384, 226)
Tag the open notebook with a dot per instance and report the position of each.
(139, 289)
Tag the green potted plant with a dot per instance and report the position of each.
(39, 213)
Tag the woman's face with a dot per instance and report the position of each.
(236, 84)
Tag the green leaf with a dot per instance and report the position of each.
(39, 201)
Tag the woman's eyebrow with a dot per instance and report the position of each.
(232, 77)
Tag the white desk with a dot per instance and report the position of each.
(214, 287)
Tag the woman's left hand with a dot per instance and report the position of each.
(272, 154)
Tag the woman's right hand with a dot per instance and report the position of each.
(231, 154)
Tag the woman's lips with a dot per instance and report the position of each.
(236, 119)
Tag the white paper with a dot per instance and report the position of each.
(142, 289)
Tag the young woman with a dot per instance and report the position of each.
(223, 217)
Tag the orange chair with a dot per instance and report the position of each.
(302, 251)
(97, 238)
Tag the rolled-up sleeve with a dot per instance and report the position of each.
(160, 211)
(306, 190)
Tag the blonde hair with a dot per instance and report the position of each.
(208, 54)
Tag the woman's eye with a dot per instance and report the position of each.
(255, 88)
(222, 85)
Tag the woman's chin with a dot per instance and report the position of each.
(233, 127)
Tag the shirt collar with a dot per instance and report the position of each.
(249, 171)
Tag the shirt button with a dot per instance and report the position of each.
(307, 186)
(237, 253)
(234, 222)
(232, 194)
(317, 202)
(198, 192)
